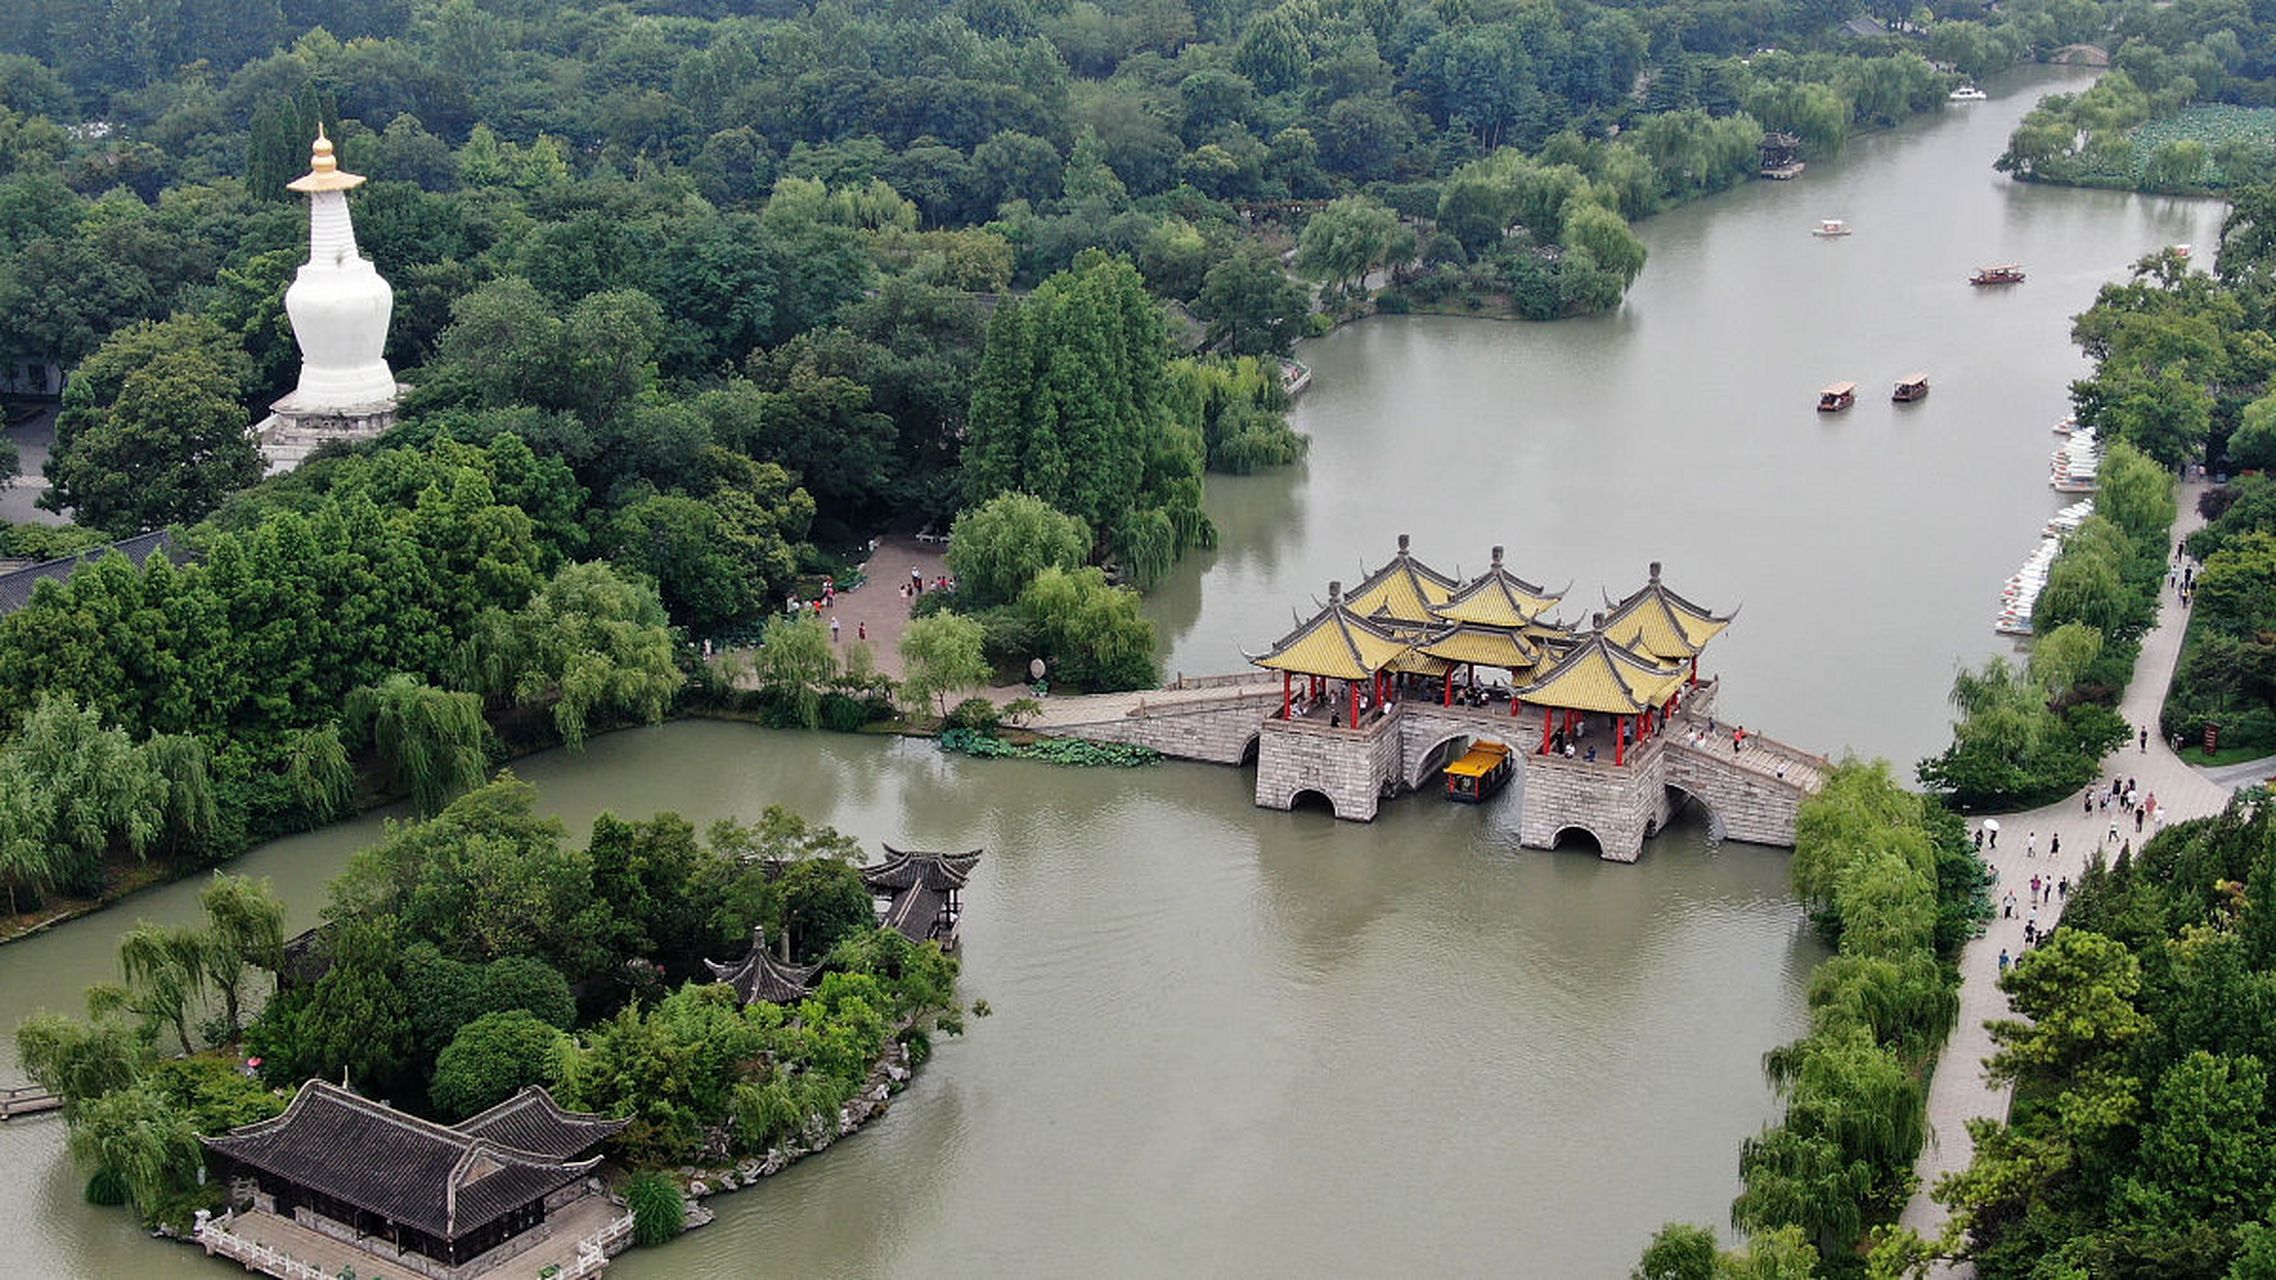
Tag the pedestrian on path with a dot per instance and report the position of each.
(2137, 822)
(2111, 835)
(2003, 960)
(2007, 906)
(2063, 888)
(2145, 741)
(2035, 887)
(2089, 805)
(1979, 839)
(833, 628)
(861, 631)
(1995, 837)
(2055, 844)
(2031, 844)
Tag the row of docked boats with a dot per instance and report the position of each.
(2076, 462)
(2019, 595)
(1841, 395)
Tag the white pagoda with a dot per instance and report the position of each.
(340, 309)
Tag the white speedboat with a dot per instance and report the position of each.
(1967, 93)
(1830, 227)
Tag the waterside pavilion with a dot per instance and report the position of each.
(338, 1173)
(921, 894)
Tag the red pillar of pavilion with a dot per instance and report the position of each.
(1695, 668)
(1447, 699)
(1619, 739)
(1548, 726)
(1287, 693)
(1354, 687)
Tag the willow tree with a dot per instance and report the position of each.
(71, 791)
(589, 642)
(189, 810)
(435, 740)
(793, 663)
(244, 929)
(318, 773)
(143, 1140)
(165, 972)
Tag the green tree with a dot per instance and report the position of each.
(997, 548)
(165, 972)
(71, 791)
(433, 739)
(2078, 992)
(794, 664)
(1251, 305)
(659, 1212)
(166, 451)
(80, 1062)
(244, 930)
(941, 654)
(590, 643)
(1350, 238)
(1094, 633)
(491, 1059)
(143, 1141)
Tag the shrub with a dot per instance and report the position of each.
(976, 714)
(105, 1189)
(658, 1209)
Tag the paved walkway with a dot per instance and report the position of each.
(1959, 1092)
(879, 604)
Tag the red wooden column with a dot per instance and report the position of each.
(1548, 726)
(1354, 687)
(1447, 699)
(1695, 668)
(1287, 693)
(1619, 739)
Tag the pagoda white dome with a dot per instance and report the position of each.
(339, 305)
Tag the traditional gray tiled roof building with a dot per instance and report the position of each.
(16, 586)
(450, 1193)
(923, 892)
(759, 976)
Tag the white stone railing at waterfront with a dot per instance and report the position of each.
(593, 1253)
(216, 1236)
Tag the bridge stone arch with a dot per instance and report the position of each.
(1428, 754)
(1603, 850)
(1314, 793)
(1249, 751)
(1678, 795)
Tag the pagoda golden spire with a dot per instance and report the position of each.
(324, 172)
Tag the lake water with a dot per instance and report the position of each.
(1229, 1041)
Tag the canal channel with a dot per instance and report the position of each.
(1229, 1041)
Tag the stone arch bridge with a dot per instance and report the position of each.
(1750, 795)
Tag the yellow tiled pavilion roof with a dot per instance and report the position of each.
(1335, 643)
(1603, 677)
(1414, 662)
(1659, 622)
(1497, 598)
(1403, 590)
(1483, 646)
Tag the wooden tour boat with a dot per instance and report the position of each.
(1484, 769)
(1837, 397)
(1911, 387)
(2004, 273)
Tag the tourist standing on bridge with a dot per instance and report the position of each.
(2031, 844)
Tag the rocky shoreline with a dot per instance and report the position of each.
(889, 1075)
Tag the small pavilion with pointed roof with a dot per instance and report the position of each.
(1498, 598)
(760, 976)
(1600, 677)
(359, 1170)
(1405, 590)
(1338, 643)
(1656, 621)
(922, 893)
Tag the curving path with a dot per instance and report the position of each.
(1958, 1092)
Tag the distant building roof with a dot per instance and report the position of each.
(447, 1182)
(16, 587)
(1863, 27)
